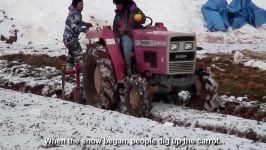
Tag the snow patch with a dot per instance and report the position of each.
(256, 63)
(35, 112)
(168, 124)
(185, 96)
(263, 107)
(232, 98)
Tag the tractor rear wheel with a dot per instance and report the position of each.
(137, 97)
(99, 78)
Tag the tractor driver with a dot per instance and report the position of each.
(128, 17)
(74, 25)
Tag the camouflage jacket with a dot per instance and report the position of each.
(73, 24)
(124, 22)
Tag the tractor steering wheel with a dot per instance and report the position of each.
(150, 24)
(98, 29)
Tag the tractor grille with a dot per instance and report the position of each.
(181, 67)
(188, 56)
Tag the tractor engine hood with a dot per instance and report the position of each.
(164, 52)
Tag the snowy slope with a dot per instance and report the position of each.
(27, 120)
(42, 22)
(41, 25)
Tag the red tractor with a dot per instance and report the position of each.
(164, 64)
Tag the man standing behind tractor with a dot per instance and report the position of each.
(74, 25)
(128, 17)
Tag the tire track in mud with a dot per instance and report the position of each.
(43, 81)
(215, 122)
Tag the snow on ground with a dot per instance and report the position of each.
(256, 63)
(201, 118)
(39, 49)
(28, 120)
(228, 48)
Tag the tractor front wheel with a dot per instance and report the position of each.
(137, 97)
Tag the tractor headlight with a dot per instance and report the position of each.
(188, 46)
(174, 47)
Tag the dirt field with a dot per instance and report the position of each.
(234, 79)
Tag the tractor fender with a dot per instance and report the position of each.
(107, 37)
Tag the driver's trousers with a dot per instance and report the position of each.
(127, 45)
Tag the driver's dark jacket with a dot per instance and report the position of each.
(124, 22)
